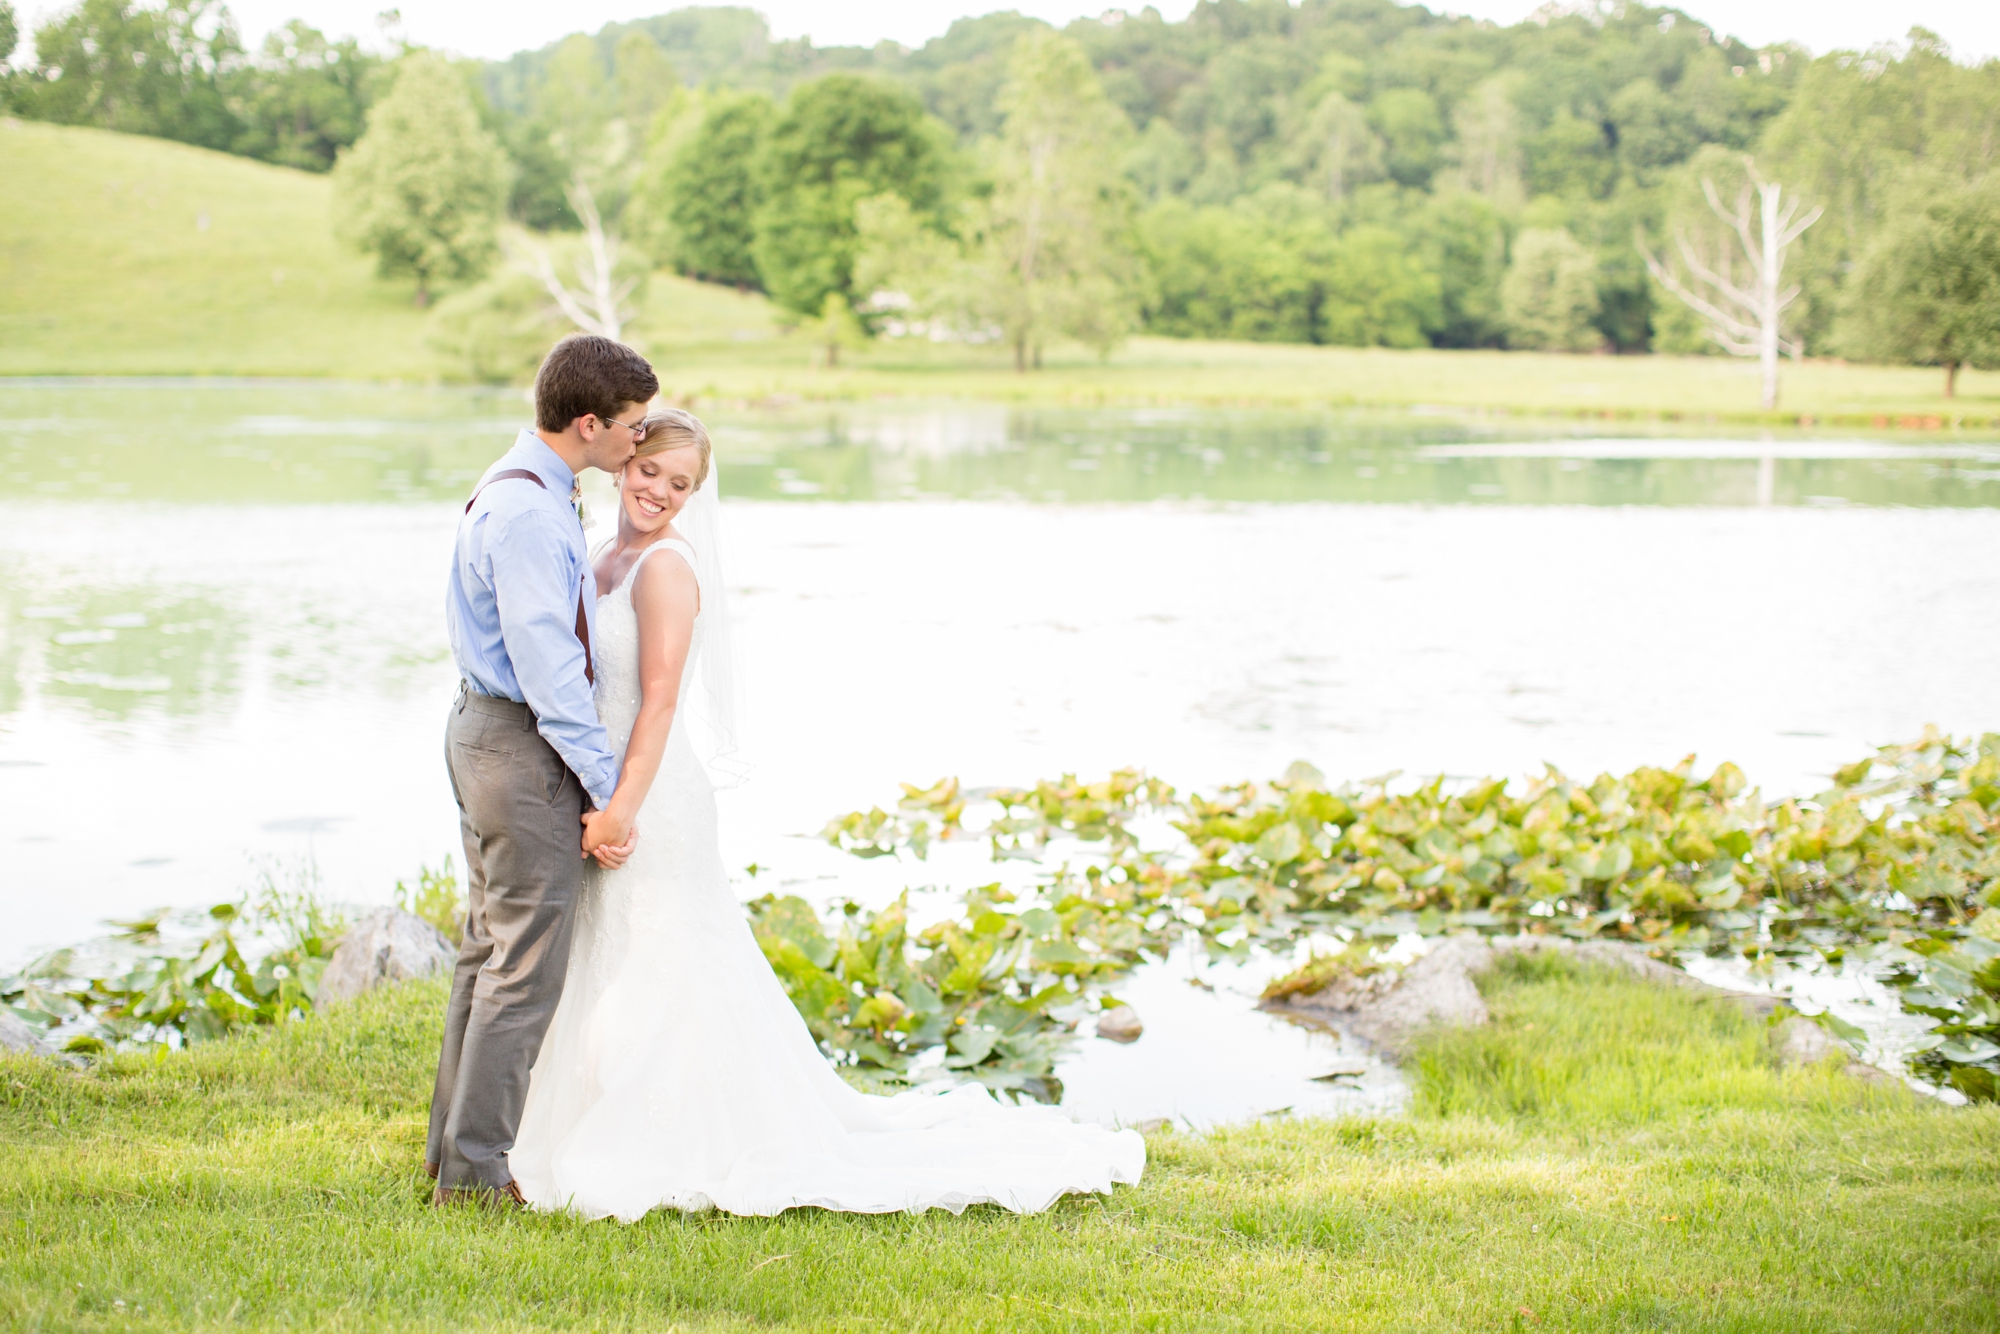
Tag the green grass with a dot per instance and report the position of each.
(1583, 1047)
(1166, 372)
(1629, 1162)
(104, 270)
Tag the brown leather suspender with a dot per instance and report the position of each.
(582, 621)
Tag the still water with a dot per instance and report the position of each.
(221, 644)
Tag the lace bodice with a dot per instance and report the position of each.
(618, 690)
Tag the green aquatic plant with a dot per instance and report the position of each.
(1958, 985)
(169, 979)
(1886, 869)
(992, 993)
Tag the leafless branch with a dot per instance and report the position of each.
(598, 306)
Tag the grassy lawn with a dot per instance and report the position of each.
(1606, 1156)
(107, 268)
(1167, 372)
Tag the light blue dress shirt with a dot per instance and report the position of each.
(516, 575)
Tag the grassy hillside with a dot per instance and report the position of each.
(106, 268)
(130, 256)
(1569, 1168)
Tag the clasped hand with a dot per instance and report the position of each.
(608, 838)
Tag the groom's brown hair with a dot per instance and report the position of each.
(588, 374)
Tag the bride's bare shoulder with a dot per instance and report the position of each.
(666, 577)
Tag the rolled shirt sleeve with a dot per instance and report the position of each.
(536, 583)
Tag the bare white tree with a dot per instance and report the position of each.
(597, 304)
(1745, 319)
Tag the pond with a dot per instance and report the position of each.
(221, 647)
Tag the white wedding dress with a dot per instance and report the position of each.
(677, 1074)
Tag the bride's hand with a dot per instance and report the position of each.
(612, 857)
(608, 838)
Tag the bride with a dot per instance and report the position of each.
(676, 1072)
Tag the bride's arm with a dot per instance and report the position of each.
(665, 596)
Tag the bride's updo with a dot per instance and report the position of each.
(673, 428)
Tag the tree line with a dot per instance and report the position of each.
(1335, 171)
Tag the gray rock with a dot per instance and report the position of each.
(1120, 1024)
(1436, 989)
(1387, 1008)
(388, 945)
(18, 1035)
(1800, 1041)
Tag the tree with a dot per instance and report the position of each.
(1048, 254)
(1246, 270)
(1488, 142)
(1463, 240)
(423, 187)
(837, 330)
(1548, 300)
(10, 37)
(1334, 147)
(602, 300)
(1743, 317)
(304, 98)
(597, 126)
(837, 141)
(161, 72)
(1928, 291)
(1057, 245)
(713, 192)
(1855, 127)
(1409, 122)
(1378, 294)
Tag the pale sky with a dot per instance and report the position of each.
(498, 28)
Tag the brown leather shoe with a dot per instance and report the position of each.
(508, 1197)
(431, 1171)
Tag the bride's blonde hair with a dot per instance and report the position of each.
(673, 428)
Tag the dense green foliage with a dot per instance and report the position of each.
(714, 193)
(99, 286)
(289, 1162)
(1549, 297)
(179, 71)
(1045, 254)
(835, 142)
(1341, 171)
(10, 37)
(145, 71)
(1929, 289)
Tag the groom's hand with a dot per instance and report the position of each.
(608, 838)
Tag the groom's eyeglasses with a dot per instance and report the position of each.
(638, 430)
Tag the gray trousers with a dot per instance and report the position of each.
(518, 809)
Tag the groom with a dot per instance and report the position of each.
(526, 752)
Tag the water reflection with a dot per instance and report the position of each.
(1209, 1057)
(298, 442)
(117, 650)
